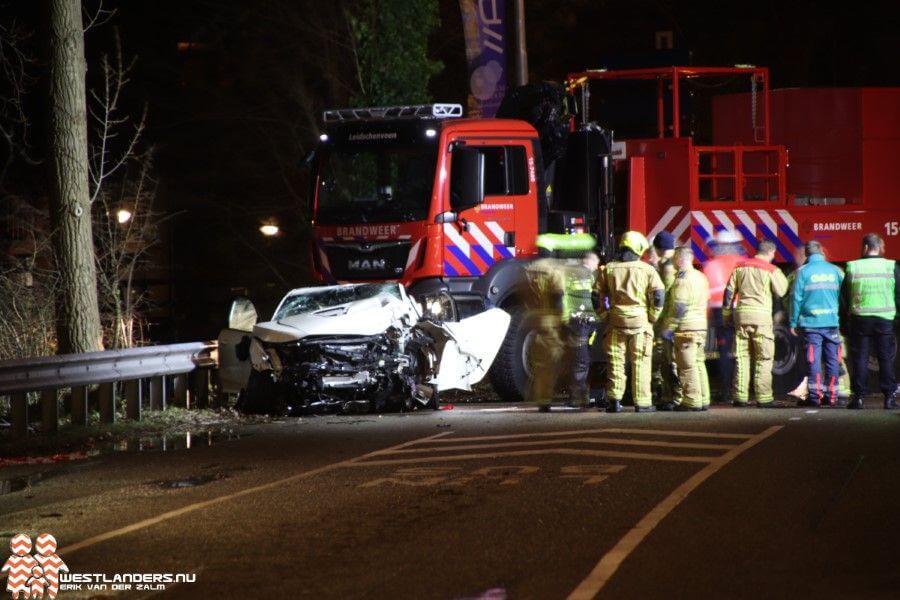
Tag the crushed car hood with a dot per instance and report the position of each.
(365, 317)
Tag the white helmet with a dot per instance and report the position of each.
(728, 236)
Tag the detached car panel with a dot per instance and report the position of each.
(355, 347)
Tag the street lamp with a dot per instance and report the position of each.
(123, 215)
(269, 229)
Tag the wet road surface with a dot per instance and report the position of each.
(487, 502)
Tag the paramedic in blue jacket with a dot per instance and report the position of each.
(815, 300)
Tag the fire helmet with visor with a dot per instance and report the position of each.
(634, 241)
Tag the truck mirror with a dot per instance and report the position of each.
(446, 217)
(466, 178)
(242, 315)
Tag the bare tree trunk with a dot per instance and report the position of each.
(78, 325)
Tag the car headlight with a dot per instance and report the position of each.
(438, 307)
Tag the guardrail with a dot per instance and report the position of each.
(145, 371)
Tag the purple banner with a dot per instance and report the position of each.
(485, 32)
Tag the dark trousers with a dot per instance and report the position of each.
(823, 358)
(579, 330)
(724, 345)
(866, 332)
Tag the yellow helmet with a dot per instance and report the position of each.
(634, 241)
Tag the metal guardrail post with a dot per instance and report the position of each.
(188, 363)
(220, 400)
(158, 393)
(19, 406)
(108, 402)
(180, 391)
(134, 394)
(199, 384)
(49, 410)
(79, 405)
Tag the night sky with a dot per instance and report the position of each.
(234, 90)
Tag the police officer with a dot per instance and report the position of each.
(869, 297)
(814, 303)
(630, 298)
(747, 302)
(579, 322)
(660, 256)
(684, 322)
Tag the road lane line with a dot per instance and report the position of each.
(663, 432)
(143, 524)
(612, 560)
(677, 433)
(583, 440)
(563, 451)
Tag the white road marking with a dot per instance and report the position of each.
(662, 432)
(580, 440)
(143, 524)
(676, 433)
(612, 560)
(545, 451)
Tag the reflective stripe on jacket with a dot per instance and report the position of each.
(872, 287)
(686, 302)
(579, 283)
(718, 270)
(815, 294)
(750, 290)
(631, 294)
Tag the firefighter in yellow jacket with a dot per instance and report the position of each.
(630, 298)
(546, 287)
(748, 303)
(684, 322)
(560, 302)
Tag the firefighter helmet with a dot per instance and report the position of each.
(567, 242)
(634, 241)
(727, 236)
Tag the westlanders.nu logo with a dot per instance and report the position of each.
(33, 576)
(44, 574)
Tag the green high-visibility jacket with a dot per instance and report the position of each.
(577, 288)
(872, 285)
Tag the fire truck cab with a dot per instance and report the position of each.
(443, 204)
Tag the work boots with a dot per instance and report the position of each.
(856, 402)
(614, 406)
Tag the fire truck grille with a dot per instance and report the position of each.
(361, 261)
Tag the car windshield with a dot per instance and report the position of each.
(311, 300)
(376, 184)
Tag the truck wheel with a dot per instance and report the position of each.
(509, 373)
(789, 367)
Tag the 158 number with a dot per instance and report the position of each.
(892, 228)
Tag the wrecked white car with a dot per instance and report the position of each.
(354, 348)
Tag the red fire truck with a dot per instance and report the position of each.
(448, 205)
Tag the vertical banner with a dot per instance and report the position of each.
(485, 32)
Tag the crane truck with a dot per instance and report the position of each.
(451, 206)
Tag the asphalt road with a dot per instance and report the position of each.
(489, 502)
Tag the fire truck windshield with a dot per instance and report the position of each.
(375, 183)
